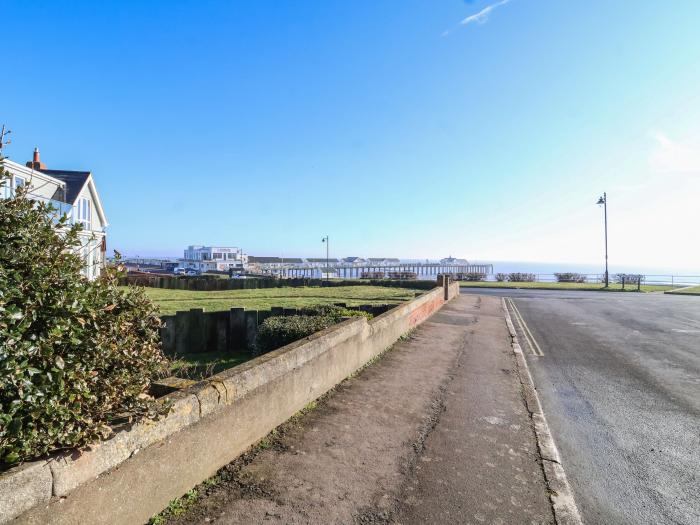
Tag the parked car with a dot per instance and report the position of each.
(186, 271)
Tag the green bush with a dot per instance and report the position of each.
(275, 332)
(569, 277)
(335, 312)
(518, 277)
(75, 355)
(471, 276)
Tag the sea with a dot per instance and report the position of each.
(546, 270)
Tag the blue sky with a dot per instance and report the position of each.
(480, 129)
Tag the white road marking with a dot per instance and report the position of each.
(532, 343)
(561, 496)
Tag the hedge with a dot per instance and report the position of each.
(75, 355)
(276, 332)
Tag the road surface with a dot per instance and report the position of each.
(620, 385)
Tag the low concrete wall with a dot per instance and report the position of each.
(134, 475)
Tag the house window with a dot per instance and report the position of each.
(19, 181)
(85, 213)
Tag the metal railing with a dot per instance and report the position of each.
(599, 278)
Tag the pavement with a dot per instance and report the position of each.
(437, 431)
(619, 381)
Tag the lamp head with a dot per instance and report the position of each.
(601, 200)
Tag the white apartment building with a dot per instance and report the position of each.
(217, 258)
(71, 193)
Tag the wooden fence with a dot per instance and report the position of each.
(234, 330)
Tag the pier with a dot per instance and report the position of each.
(419, 269)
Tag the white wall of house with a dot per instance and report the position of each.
(86, 211)
(43, 186)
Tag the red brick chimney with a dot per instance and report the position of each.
(36, 163)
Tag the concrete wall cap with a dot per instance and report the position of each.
(247, 377)
(73, 468)
(24, 487)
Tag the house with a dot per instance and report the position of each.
(354, 261)
(272, 264)
(71, 193)
(328, 272)
(383, 261)
(317, 262)
(214, 258)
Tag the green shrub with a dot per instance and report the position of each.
(471, 276)
(75, 355)
(500, 277)
(518, 277)
(335, 312)
(275, 332)
(569, 277)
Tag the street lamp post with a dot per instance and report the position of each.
(325, 239)
(604, 201)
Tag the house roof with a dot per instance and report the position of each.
(263, 260)
(273, 260)
(75, 181)
(320, 259)
(383, 259)
(353, 259)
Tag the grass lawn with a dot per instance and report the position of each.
(692, 290)
(205, 364)
(170, 301)
(566, 286)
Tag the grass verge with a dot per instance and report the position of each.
(205, 364)
(691, 290)
(171, 301)
(597, 287)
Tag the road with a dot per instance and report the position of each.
(619, 382)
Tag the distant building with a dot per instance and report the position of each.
(383, 261)
(214, 258)
(317, 262)
(165, 264)
(71, 193)
(272, 264)
(355, 261)
(453, 260)
(328, 272)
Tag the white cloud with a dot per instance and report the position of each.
(482, 16)
(675, 157)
